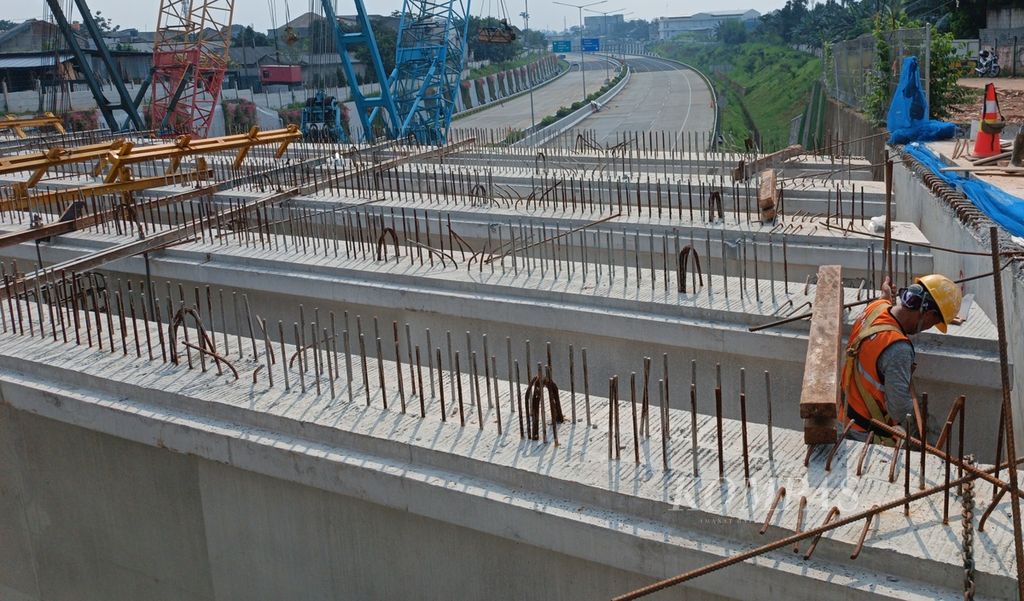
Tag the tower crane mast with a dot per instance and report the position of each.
(418, 98)
(190, 59)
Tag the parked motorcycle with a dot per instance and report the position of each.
(988, 64)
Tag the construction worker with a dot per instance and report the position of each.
(880, 356)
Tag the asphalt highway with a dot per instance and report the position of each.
(661, 96)
(515, 113)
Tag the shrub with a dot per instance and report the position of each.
(81, 120)
(239, 115)
(945, 71)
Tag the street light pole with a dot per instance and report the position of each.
(607, 75)
(583, 70)
(530, 82)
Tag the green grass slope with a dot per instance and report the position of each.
(761, 87)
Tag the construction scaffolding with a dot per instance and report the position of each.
(190, 57)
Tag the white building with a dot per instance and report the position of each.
(669, 27)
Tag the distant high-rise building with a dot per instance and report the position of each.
(603, 24)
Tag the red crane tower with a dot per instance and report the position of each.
(190, 57)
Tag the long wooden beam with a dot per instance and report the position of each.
(819, 394)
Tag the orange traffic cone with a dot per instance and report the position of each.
(988, 144)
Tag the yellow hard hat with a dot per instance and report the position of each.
(946, 294)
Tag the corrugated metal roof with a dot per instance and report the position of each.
(28, 62)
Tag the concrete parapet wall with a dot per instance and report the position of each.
(938, 220)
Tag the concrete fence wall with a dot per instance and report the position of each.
(472, 95)
(81, 99)
(860, 137)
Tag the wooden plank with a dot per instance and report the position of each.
(768, 160)
(819, 394)
(820, 430)
(767, 195)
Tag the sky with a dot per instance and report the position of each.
(141, 14)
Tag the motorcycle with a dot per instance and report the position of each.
(988, 64)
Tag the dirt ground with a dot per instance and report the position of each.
(1009, 92)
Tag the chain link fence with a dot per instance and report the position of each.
(854, 61)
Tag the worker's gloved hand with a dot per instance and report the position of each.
(888, 290)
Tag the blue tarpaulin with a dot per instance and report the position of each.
(1005, 209)
(908, 113)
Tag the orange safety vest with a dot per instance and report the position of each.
(873, 332)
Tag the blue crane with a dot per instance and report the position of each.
(418, 99)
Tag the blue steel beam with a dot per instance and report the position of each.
(429, 59)
(418, 98)
(366, 106)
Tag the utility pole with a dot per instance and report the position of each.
(583, 70)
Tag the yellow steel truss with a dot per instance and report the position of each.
(115, 158)
(18, 124)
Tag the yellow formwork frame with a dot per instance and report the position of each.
(18, 124)
(114, 158)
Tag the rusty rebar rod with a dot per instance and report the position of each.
(863, 535)
(808, 314)
(984, 475)
(743, 425)
(771, 510)
(864, 452)
(794, 539)
(906, 466)
(800, 507)
(718, 419)
(1007, 410)
(895, 459)
(833, 512)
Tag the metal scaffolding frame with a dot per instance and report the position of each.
(190, 58)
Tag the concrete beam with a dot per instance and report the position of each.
(569, 500)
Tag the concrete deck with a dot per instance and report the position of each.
(634, 321)
(637, 518)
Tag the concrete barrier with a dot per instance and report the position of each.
(544, 134)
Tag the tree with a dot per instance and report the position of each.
(386, 33)
(880, 79)
(105, 24)
(640, 30)
(731, 31)
(249, 37)
(5, 24)
(534, 39)
(482, 51)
